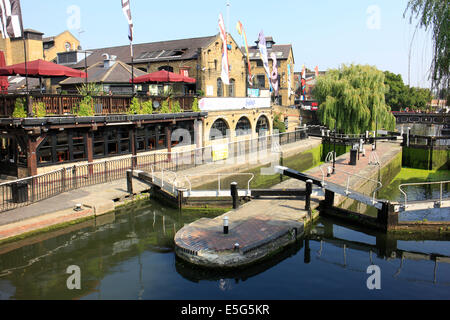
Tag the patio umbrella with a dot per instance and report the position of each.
(4, 84)
(163, 76)
(41, 68)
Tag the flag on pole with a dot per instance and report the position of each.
(127, 12)
(241, 31)
(263, 51)
(317, 71)
(11, 19)
(225, 75)
(303, 71)
(289, 81)
(274, 74)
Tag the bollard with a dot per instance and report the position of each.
(234, 195)
(308, 196)
(236, 246)
(130, 181)
(225, 225)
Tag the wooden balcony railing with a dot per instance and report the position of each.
(65, 104)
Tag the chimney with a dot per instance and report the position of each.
(108, 61)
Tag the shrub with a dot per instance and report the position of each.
(86, 107)
(39, 109)
(176, 108)
(195, 107)
(19, 109)
(147, 107)
(164, 107)
(135, 106)
(278, 124)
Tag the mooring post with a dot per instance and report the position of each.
(234, 195)
(329, 199)
(225, 225)
(130, 181)
(307, 257)
(308, 196)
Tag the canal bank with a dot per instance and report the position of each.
(59, 211)
(261, 228)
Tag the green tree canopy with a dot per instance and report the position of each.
(400, 96)
(354, 96)
(435, 15)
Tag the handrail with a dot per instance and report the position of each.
(222, 174)
(361, 177)
(421, 184)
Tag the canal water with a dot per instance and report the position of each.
(129, 255)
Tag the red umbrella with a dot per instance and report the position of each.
(4, 84)
(41, 68)
(163, 76)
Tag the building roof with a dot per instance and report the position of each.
(173, 50)
(281, 51)
(97, 73)
(32, 31)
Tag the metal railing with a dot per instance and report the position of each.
(22, 192)
(441, 183)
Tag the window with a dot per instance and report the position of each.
(261, 81)
(243, 127)
(62, 147)
(45, 151)
(219, 87)
(167, 68)
(219, 127)
(231, 88)
(161, 136)
(99, 143)
(259, 63)
(262, 125)
(78, 146)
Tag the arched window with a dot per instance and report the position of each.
(218, 130)
(262, 126)
(231, 88)
(219, 87)
(167, 68)
(243, 127)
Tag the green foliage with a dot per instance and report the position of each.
(435, 15)
(90, 89)
(39, 109)
(135, 106)
(147, 107)
(86, 107)
(278, 124)
(19, 109)
(176, 108)
(164, 107)
(195, 106)
(400, 96)
(139, 107)
(353, 97)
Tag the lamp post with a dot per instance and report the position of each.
(334, 149)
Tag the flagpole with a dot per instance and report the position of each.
(27, 96)
(132, 67)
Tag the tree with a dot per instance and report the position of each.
(400, 96)
(354, 96)
(435, 15)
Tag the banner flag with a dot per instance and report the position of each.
(11, 19)
(127, 12)
(289, 81)
(274, 74)
(317, 71)
(263, 51)
(241, 31)
(225, 75)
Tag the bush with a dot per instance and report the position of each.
(278, 124)
(135, 106)
(195, 107)
(164, 107)
(176, 108)
(39, 109)
(19, 109)
(86, 107)
(147, 107)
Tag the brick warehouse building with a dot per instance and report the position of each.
(198, 58)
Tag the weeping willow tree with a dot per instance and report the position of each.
(354, 97)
